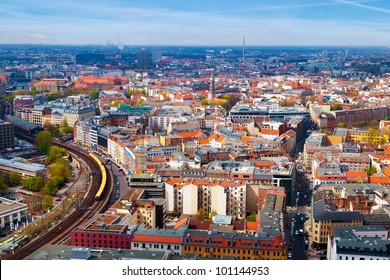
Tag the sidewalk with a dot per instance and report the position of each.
(79, 182)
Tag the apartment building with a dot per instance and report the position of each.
(73, 115)
(160, 240)
(355, 135)
(355, 161)
(222, 197)
(160, 123)
(358, 243)
(103, 231)
(38, 112)
(240, 246)
(325, 216)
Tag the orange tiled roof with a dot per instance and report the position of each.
(46, 83)
(379, 179)
(189, 134)
(172, 181)
(264, 163)
(245, 139)
(220, 138)
(386, 171)
(180, 223)
(252, 225)
(356, 174)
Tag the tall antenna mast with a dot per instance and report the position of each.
(243, 49)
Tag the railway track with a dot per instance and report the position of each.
(89, 206)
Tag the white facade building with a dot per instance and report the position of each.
(358, 243)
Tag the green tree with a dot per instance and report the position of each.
(34, 90)
(139, 102)
(28, 183)
(340, 124)
(93, 94)
(64, 127)
(53, 184)
(55, 132)
(47, 202)
(226, 97)
(34, 184)
(61, 169)
(115, 103)
(3, 186)
(335, 106)
(252, 217)
(371, 170)
(201, 214)
(14, 179)
(212, 213)
(48, 126)
(39, 183)
(43, 141)
(205, 101)
(55, 153)
(372, 134)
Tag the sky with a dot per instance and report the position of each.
(196, 23)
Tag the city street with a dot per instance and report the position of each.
(298, 220)
(123, 187)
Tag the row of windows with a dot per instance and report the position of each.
(99, 236)
(156, 246)
(233, 251)
(83, 242)
(353, 258)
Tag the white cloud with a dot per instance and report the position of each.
(31, 34)
(367, 7)
(79, 24)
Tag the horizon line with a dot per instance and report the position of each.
(203, 45)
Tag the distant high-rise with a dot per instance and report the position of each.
(144, 59)
(210, 95)
(156, 55)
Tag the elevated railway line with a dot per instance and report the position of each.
(95, 200)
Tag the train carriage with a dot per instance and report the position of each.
(104, 176)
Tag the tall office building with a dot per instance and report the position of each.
(144, 59)
(7, 137)
(156, 55)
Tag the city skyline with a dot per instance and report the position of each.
(198, 23)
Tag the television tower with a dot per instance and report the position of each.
(243, 49)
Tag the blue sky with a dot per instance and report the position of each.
(190, 22)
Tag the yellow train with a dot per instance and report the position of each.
(104, 176)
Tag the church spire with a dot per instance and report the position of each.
(212, 87)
